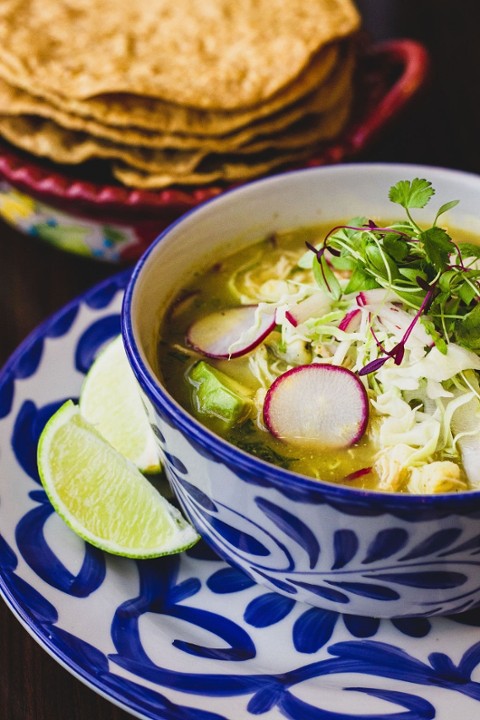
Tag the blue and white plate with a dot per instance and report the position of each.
(187, 637)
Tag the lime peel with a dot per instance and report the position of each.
(102, 496)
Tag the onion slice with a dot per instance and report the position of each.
(318, 405)
(466, 419)
(230, 333)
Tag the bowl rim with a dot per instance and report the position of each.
(281, 479)
(30, 175)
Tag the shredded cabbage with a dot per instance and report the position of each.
(414, 403)
(424, 393)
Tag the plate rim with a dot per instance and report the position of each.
(91, 681)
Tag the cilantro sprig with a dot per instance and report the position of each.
(425, 267)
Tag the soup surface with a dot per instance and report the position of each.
(394, 306)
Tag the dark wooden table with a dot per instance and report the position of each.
(442, 128)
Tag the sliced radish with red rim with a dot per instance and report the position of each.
(317, 405)
(230, 333)
(375, 297)
(398, 321)
(351, 321)
(314, 306)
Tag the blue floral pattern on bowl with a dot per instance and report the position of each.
(330, 545)
(339, 564)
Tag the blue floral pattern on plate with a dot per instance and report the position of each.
(188, 637)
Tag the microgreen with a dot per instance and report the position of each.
(424, 266)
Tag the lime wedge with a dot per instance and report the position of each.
(102, 496)
(110, 400)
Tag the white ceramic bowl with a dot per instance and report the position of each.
(335, 547)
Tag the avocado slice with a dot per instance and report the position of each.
(218, 395)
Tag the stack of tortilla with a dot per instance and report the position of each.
(176, 92)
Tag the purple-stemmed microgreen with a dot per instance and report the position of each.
(323, 272)
(426, 268)
(397, 353)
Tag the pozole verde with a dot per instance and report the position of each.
(348, 354)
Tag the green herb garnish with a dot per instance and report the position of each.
(426, 268)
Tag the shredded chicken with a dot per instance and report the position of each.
(396, 474)
(437, 477)
(295, 353)
(392, 467)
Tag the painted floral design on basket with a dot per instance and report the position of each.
(65, 231)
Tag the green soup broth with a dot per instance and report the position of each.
(212, 290)
(249, 276)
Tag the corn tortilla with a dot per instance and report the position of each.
(45, 138)
(135, 111)
(214, 54)
(336, 88)
(230, 170)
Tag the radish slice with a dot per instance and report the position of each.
(393, 317)
(230, 333)
(318, 405)
(376, 296)
(396, 320)
(351, 321)
(314, 306)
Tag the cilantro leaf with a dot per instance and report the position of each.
(395, 246)
(468, 329)
(414, 194)
(439, 341)
(445, 280)
(469, 249)
(438, 246)
(360, 280)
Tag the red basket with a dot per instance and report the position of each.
(389, 75)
